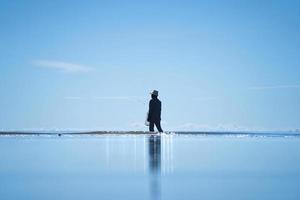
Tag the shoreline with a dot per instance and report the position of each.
(204, 133)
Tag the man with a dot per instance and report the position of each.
(154, 112)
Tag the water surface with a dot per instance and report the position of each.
(143, 166)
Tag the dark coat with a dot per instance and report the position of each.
(154, 114)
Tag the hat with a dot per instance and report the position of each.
(154, 92)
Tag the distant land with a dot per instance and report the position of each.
(229, 133)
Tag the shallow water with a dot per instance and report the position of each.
(170, 166)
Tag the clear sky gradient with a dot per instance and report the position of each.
(218, 65)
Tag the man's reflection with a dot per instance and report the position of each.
(155, 165)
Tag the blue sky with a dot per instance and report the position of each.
(218, 65)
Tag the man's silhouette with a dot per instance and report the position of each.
(154, 112)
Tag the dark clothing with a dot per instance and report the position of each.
(154, 114)
(157, 124)
(154, 110)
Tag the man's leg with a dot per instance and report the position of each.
(157, 124)
(151, 127)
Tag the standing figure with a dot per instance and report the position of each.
(154, 113)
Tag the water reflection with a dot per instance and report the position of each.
(154, 145)
(167, 154)
(150, 154)
(154, 153)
